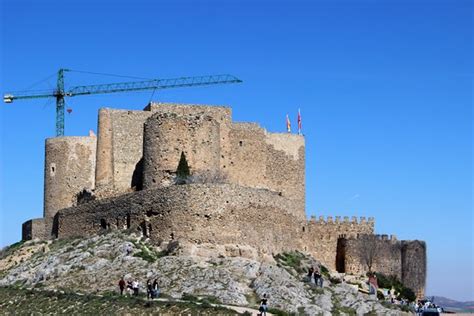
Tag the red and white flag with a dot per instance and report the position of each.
(288, 124)
(299, 122)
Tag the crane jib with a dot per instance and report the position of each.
(156, 84)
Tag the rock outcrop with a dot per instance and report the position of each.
(95, 265)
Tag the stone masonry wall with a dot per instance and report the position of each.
(323, 234)
(167, 135)
(119, 150)
(260, 159)
(215, 214)
(37, 228)
(34, 228)
(285, 168)
(248, 155)
(197, 213)
(120, 143)
(386, 254)
(221, 114)
(414, 266)
(404, 259)
(69, 168)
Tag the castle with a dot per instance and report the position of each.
(246, 196)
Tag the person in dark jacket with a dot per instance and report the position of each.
(121, 285)
(263, 305)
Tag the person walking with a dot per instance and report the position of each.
(121, 285)
(149, 289)
(310, 274)
(135, 286)
(156, 289)
(263, 305)
(318, 279)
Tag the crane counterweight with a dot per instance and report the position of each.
(8, 98)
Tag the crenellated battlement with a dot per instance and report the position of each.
(386, 237)
(321, 220)
(381, 237)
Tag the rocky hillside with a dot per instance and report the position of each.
(17, 301)
(93, 266)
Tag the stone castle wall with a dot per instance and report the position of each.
(414, 266)
(217, 214)
(245, 153)
(405, 260)
(323, 235)
(35, 228)
(167, 135)
(69, 168)
(384, 252)
(274, 161)
(119, 150)
(198, 213)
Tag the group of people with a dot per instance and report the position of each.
(426, 305)
(152, 288)
(314, 276)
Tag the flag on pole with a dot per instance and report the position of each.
(299, 122)
(288, 124)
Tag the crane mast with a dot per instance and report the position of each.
(155, 84)
(60, 104)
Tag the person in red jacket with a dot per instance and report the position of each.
(121, 285)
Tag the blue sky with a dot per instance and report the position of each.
(384, 87)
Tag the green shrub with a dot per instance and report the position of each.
(380, 296)
(347, 310)
(335, 280)
(389, 282)
(145, 255)
(189, 297)
(148, 254)
(291, 259)
(278, 312)
(406, 308)
(324, 271)
(211, 300)
(407, 294)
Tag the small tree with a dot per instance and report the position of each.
(368, 250)
(182, 173)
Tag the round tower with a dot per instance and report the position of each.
(170, 136)
(69, 168)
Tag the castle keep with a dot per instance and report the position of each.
(245, 195)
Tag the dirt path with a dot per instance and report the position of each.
(238, 309)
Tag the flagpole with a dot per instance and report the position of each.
(288, 124)
(299, 122)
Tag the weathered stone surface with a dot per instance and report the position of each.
(222, 214)
(69, 168)
(167, 135)
(405, 260)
